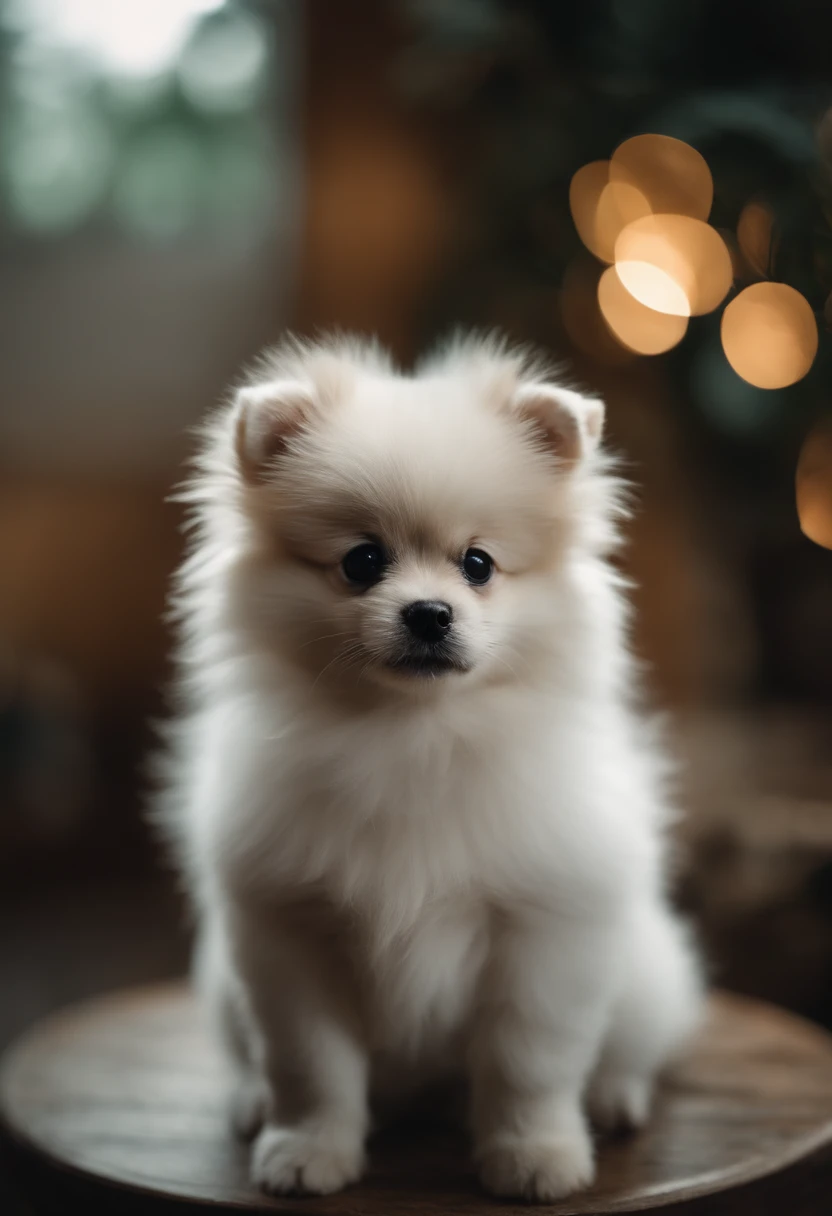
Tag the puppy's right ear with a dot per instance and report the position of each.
(267, 417)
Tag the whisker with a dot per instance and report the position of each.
(325, 637)
(345, 653)
(494, 653)
(505, 664)
(364, 669)
(517, 654)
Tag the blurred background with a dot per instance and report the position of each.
(642, 188)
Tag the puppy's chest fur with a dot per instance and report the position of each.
(391, 847)
(418, 984)
(390, 817)
(406, 840)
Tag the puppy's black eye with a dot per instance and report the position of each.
(477, 566)
(364, 565)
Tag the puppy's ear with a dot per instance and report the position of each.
(566, 422)
(267, 416)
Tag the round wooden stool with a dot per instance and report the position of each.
(122, 1101)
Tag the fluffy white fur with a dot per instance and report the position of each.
(398, 875)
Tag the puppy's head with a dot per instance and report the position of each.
(409, 531)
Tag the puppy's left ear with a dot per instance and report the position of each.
(267, 417)
(567, 423)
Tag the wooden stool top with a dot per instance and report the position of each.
(129, 1090)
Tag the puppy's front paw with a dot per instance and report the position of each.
(619, 1102)
(305, 1160)
(540, 1169)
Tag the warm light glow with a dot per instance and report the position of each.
(653, 287)
(618, 206)
(582, 318)
(585, 191)
(601, 209)
(674, 264)
(814, 487)
(738, 264)
(754, 236)
(672, 176)
(640, 329)
(769, 335)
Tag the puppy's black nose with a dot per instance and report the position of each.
(428, 620)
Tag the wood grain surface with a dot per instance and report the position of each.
(128, 1090)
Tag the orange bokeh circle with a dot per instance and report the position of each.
(672, 176)
(813, 485)
(674, 264)
(769, 335)
(639, 328)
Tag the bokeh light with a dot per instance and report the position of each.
(124, 38)
(645, 211)
(618, 206)
(770, 335)
(601, 209)
(57, 162)
(754, 236)
(581, 315)
(639, 328)
(223, 66)
(738, 264)
(585, 191)
(653, 286)
(150, 114)
(813, 485)
(674, 264)
(671, 175)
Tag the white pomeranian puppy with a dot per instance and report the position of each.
(419, 811)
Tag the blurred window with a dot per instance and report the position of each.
(145, 114)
